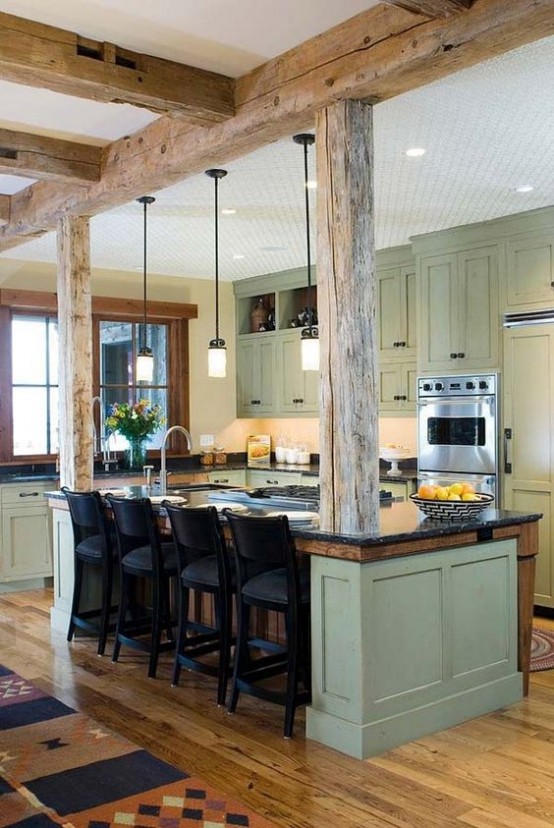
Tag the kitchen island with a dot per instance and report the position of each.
(415, 628)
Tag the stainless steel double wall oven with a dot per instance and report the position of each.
(458, 430)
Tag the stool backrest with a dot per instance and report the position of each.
(196, 534)
(88, 516)
(261, 545)
(136, 527)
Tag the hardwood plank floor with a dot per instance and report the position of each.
(492, 772)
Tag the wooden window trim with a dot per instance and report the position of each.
(173, 314)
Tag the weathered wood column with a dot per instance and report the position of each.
(346, 297)
(75, 353)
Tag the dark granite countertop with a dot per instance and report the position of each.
(399, 522)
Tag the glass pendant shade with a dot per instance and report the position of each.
(145, 365)
(309, 346)
(217, 353)
(217, 358)
(144, 369)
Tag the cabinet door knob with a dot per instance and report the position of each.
(453, 356)
(404, 397)
(402, 344)
(461, 355)
(395, 344)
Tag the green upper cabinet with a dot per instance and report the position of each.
(459, 310)
(396, 313)
(256, 376)
(530, 271)
(298, 389)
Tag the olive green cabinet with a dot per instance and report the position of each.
(297, 391)
(26, 552)
(396, 313)
(530, 271)
(459, 310)
(256, 392)
(397, 388)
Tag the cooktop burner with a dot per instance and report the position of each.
(293, 496)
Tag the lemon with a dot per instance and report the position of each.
(456, 488)
(454, 496)
(442, 493)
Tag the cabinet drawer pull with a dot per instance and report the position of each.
(29, 494)
(255, 402)
(221, 480)
(272, 482)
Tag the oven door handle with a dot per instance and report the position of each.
(507, 463)
(483, 400)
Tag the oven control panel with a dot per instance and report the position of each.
(457, 386)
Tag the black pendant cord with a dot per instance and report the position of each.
(216, 175)
(145, 201)
(307, 139)
(308, 247)
(144, 260)
(216, 180)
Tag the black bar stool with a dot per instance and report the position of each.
(92, 546)
(142, 555)
(268, 576)
(204, 566)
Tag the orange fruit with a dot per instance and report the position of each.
(468, 488)
(427, 491)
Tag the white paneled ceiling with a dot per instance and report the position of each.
(486, 131)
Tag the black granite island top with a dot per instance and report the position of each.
(399, 524)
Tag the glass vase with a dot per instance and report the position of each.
(134, 456)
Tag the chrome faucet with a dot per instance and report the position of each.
(163, 470)
(96, 444)
(101, 444)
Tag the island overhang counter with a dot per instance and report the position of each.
(415, 628)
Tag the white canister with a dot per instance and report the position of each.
(303, 457)
(291, 455)
(280, 454)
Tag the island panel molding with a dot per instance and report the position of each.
(282, 97)
(4, 209)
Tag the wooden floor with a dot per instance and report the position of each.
(494, 771)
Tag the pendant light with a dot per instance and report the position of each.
(309, 343)
(145, 358)
(217, 353)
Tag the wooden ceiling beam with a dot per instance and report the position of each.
(432, 8)
(38, 55)
(37, 156)
(374, 56)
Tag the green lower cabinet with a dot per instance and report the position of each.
(235, 477)
(262, 477)
(409, 646)
(397, 388)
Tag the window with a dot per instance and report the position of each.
(35, 385)
(29, 395)
(119, 344)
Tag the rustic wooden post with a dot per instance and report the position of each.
(346, 298)
(75, 353)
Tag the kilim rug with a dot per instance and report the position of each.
(58, 767)
(542, 649)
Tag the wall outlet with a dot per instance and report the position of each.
(207, 440)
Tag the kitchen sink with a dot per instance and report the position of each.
(198, 487)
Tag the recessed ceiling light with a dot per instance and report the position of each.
(524, 188)
(415, 152)
(311, 185)
(238, 255)
(228, 211)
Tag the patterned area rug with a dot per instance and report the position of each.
(542, 649)
(58, 767)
